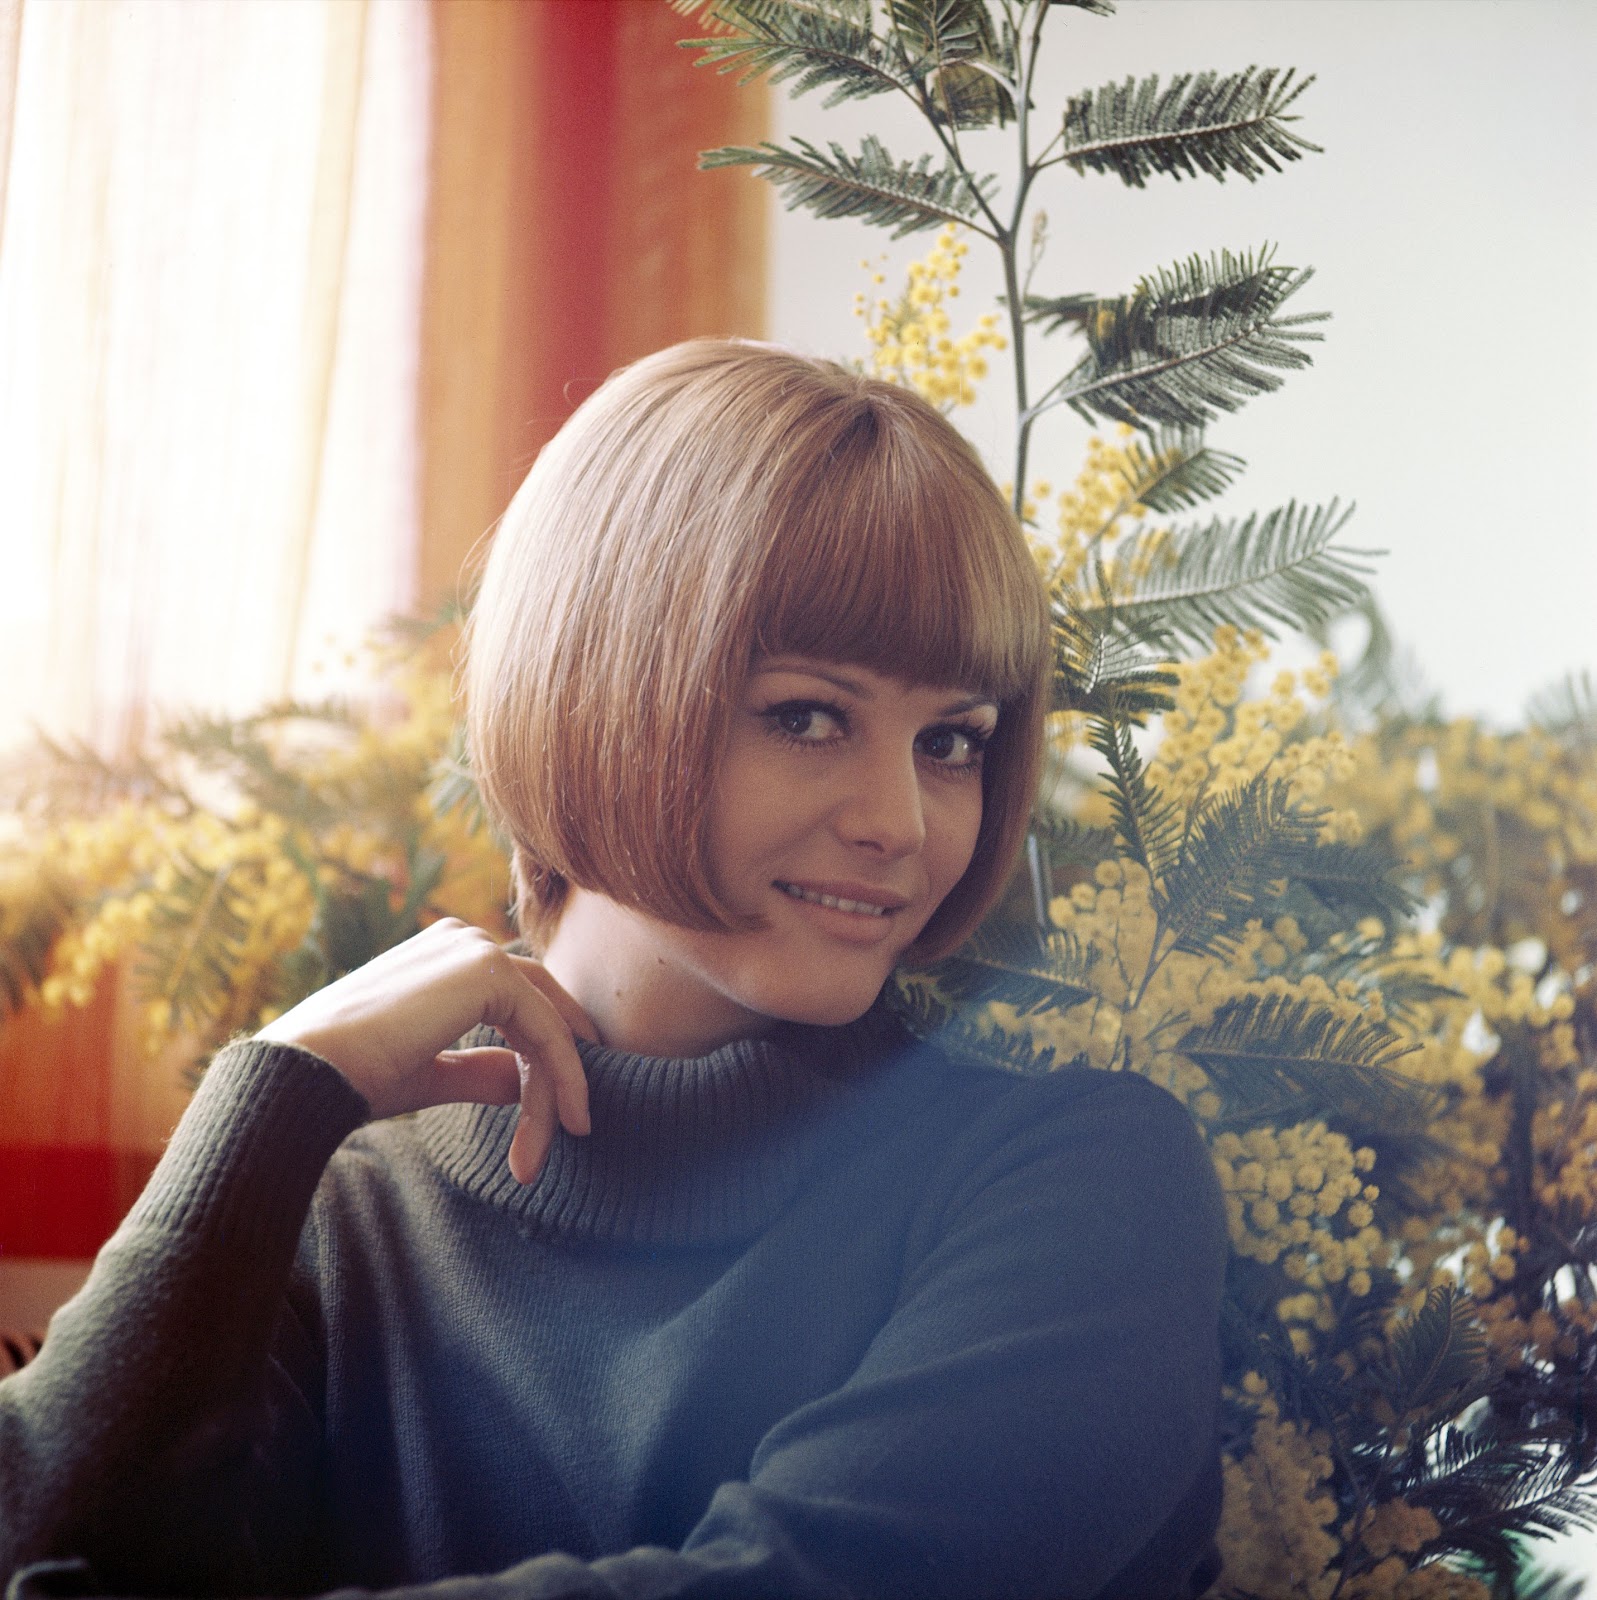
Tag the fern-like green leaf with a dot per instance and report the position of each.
(1357, 880)
(1252, 853)
(191, 949)
(935, 32)
(1534, 1584)
(952, 48)
(261, 757)
(1053, 312)
(1197, 124)
(1070, 842)
(968, 94)
(919, 1009)
(1101, 672)
(1098, 8)
(1281, 570)
(1238, 847)
(236, 749)
(1403, 993)
(454, 785)
(1436, 1357)
(906, 196)
(1187, 343)
(829, 44)
(1486, 1487)
(51, 779)
(356, 919)
(1017, 964)
(1275, 1060)
(1148, 824)
(1176, 470)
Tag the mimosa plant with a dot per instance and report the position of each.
(239, 863)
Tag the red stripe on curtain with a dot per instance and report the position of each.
(63, 1201)
(573, 239)
(570, 232)
(76, 1146)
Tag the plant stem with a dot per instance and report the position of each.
(1013, 295)
(1017, 337)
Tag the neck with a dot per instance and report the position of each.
(635, 978)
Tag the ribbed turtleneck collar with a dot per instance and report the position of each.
(699, 1151)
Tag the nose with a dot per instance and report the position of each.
(882, 808)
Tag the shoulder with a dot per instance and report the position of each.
(1077, 1108)
(1072, 1154)
(381, 1198)
(993, 1111)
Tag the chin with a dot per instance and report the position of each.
(835, 1006)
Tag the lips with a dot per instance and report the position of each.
(858, 899)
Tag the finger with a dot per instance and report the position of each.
(572, 1014)
(535, 1127)
(484, 1077)
(535, 1029)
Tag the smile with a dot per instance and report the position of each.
(836, 902)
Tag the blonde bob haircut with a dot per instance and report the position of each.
(713, 504)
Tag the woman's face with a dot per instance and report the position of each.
(846, 808)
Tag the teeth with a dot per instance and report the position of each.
(836, 902)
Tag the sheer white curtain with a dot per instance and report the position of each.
(211, 237)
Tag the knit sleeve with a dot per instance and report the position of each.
(165, 1433)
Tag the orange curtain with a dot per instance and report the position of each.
(568, 231)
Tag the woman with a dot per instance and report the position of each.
(695, 1275)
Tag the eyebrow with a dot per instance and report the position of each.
(854, 686)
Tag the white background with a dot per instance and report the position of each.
(1452, 225)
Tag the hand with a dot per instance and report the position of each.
(388, 1026)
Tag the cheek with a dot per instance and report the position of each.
(958, 822)
(746, 830)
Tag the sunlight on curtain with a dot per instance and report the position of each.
(210, 272)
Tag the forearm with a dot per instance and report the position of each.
(132, 1439)
(726, 1571)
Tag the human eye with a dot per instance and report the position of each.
(954, 747)
(805, 722)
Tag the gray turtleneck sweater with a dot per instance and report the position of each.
(823, 1315)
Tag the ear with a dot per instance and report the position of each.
(538, 895)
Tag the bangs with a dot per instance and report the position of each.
(896, 552)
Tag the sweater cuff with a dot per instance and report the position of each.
(251, 1148)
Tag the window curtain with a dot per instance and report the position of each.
(569, 233)
(290, 297)
(210, 264)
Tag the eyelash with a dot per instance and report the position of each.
(976, 736)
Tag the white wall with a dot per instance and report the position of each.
(1452, 223)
